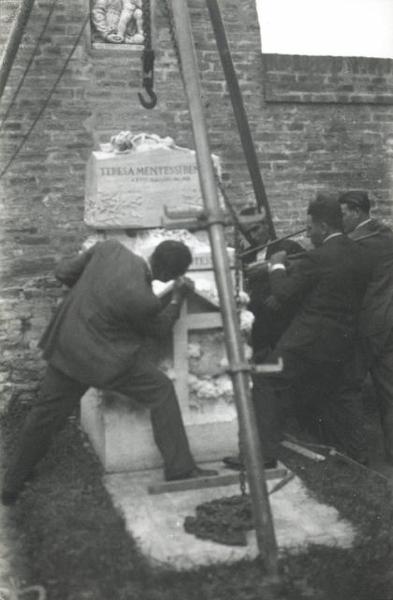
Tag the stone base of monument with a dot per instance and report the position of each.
(122, 435)
(156, 522)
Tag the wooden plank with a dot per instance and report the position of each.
(182, 485)
(303, 451)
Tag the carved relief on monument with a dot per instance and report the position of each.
(117, 21)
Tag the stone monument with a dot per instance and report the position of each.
(131, 185)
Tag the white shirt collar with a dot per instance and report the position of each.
(332, 235)
(363, 223)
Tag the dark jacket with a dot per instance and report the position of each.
(270, 323)
(332, 280)
(105, 318)
(376, 317)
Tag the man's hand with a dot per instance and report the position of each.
(256, 268)
(181, 286)
(279, 258)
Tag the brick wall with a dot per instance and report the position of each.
(318, 123)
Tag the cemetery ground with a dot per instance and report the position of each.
(70, 540)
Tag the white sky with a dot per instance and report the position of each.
(327, 27)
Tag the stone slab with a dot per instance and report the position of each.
(143, 242)
(134, 189)
(123, 438)
(156, 521)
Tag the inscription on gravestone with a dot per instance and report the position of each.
(131, 190)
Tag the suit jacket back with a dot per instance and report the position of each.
(376, 317)
(332, 280)
(94, 333)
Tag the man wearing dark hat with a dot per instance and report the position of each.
(376, 317)
(99, 337)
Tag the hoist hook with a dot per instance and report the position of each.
(153, 97)
(148, 79)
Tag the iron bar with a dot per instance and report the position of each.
(268, 244)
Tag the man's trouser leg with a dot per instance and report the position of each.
(149, 386)
(272, 397)
(59, 394)
(274, 393)
(382, 375)
(343, 419)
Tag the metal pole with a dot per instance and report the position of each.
(239, 112)
(13, 41)
(240, 378)
(263, 246)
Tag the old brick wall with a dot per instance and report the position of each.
(318, 123)
(41, 194)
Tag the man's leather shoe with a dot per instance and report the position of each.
(234, 462)
(194, 474)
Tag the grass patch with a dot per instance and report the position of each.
(75, 544)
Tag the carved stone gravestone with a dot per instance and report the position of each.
(136, 188)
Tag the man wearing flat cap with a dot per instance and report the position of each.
(376, 317)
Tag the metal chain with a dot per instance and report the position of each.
(146, 17)
(148, 57)
(168, 14)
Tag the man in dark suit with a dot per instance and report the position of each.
(270, 322)
(376, 317)
(98, 338)
(319, 342)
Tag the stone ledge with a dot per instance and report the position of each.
(123, 438)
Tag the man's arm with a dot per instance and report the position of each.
(286, 285)
(69, 270)
(162, 324)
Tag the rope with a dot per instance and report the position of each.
(30, 62)
(27, 135)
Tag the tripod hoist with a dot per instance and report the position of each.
(213, 218)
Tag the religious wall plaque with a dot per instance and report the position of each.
(117, 21)
(140, 186)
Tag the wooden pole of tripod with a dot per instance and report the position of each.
(237, 365)
(240, 113)
(13, 41)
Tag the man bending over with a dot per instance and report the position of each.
(97, 338)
